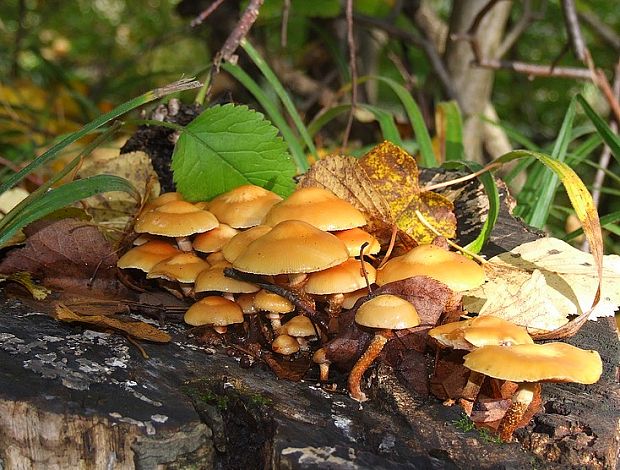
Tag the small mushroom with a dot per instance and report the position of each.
(244, 206)
(320, 358)
(275, 306)
(147, 255)
(176, 219)
(213, 279)
(214, 311)
(213, 240)
(384, 313)
(237, 244)
(318, 207)
(354, 238)
(182, 268)
(528, 364)
(299, 327)
(285, 345)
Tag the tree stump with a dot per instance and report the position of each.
(76, 398)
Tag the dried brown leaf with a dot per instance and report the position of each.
(67, 254)
(136, 329)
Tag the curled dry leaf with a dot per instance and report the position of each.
(116, 209)
(539, 284)
(25, 280)
(67, 254)
(135, 329)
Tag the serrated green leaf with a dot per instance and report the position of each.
(228, 146)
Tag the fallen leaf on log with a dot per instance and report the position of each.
(394, 174)
(539, 284)
(135, 329)
(67, 254)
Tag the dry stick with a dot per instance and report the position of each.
(363, 268)
(353, 67)
(573, 29)
(286, 8)
(206, 13)
(390, 246)
(138, 346)
(443, 184)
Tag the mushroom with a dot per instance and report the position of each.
(291, 247)
(176, 219)
(213, 279)
(182, 268)
(285, 345)
(275, 306)
(528, 364)
(318, 207)
(320, 358)
(244, 206)
(213, 240)
(385, 313)
(299, 327)
(456, 271)
(334, 282)
(147, 255)
(354, 238)
(215, 311)
(237, 244)
(160, 200)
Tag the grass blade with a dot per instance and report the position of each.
(427, 155)
(608, 221)
(65, 195)
(50, 154)
(274, 114)
(449, 125)
(608, 136)
(490, 188)
(281, 92)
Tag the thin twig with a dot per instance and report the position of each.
(599, 27)
(227, 52)
(535, 70)
(390, 246)
(286, 8)
(462, 179)
(473, 29)
(573, 29)
(353, 68)
(206, 13)
(517, 30)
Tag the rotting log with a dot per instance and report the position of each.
(75, 398)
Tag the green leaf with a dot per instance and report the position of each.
(608, 136)
(63, 196)
(228, 146)
(449, 125)
(273, 113)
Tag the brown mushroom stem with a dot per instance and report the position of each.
(472, 387)
(220, 329)
(334, 304)
(520, 402)
(363, 363)
(184, 243)
(320, 358)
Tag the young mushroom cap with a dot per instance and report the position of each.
(213, 279)
(354, 238)
(214, 311)
(237, 244)
(269, 302)
(213, 240)
(291, 247)
(350, 298)
(483, 330)
(147, 255)
(453, 269)
(387, 311)
(244, 206)
(175, 219)
(183, 267)
(162, 199)
(318, 207)
(342, 278)
(285, 345)
(299, 326)
(550, 362)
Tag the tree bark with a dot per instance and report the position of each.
(474, 85)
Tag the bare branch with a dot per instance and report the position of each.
(241, 30)
(573, 29)
(206, 13)
(473, 29)
(600, 28)
(517, 30)
(353, 68)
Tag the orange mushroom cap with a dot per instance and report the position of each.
(175, 219)
(243, 207)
